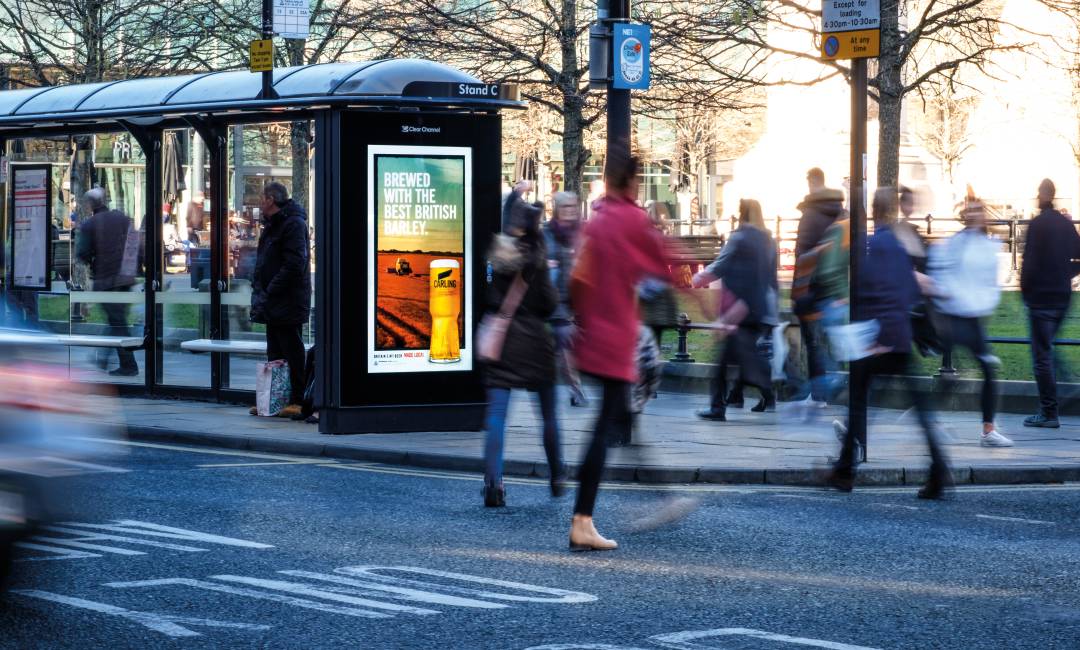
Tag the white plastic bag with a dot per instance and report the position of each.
(272, 387)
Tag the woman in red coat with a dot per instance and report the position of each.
(620, 247)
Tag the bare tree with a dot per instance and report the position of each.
(78, 41)
(924, 44)
(943, 127)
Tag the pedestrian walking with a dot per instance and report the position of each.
(620, 247)
(521, 290)
(515, 201)
(966, 292)
(111, 247)
(820, 208)
(561, 235)
(1051, 261)
(887, 290)
(281, 286)
(747, 267)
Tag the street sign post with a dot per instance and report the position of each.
(261, 55)
(850, 29)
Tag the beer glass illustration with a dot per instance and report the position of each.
(445, 305)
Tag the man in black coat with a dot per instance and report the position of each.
(281, 286)
(1051, 260)
(820, 209)
(102, 243)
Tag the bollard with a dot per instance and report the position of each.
(682, 355)
(946, 369)
(1013, 231)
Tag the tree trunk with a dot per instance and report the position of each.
(574, 154)
(573, 145)
(890, 95)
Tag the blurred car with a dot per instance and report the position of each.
(48, 434)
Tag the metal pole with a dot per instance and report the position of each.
(618, 108)
(857, 224)
(268, 91)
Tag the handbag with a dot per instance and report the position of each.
(272, 387)
(491, 334)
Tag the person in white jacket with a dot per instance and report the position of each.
(965, 278)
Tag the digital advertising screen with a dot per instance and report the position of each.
(419, 208)
(31, 241)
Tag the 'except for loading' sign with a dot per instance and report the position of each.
(850, 29)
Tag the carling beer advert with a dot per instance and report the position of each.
(419, 289)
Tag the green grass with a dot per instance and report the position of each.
(1010, 319)
(57, 308)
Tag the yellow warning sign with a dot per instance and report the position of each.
(857, 44)
(261, 56)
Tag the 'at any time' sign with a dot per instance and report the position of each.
(850, 29)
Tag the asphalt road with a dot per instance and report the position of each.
(198, 547)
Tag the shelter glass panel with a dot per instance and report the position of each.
(182, 305)
(260, 154)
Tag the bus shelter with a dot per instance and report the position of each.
(397, 163)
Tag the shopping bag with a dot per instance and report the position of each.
(272, 387)
(649, 366)
(853, 341)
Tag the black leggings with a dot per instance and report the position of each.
(957, 331)
(613, 423)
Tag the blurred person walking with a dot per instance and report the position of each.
(522, 292)
(281, 286)
(620, 248)
(966, 292)
(887, 290)
(1051, 260)
(561, 235)
(111, 248)
(747, 267)
(820, 208)
(515, 201)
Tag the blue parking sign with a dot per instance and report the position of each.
(631, 44)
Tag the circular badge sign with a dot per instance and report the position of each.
(832, 46)
(633, 62)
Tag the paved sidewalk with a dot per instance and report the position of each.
(672, 446)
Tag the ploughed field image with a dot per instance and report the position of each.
(402, 316)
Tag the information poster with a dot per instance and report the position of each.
(30, 239)
(419, 284)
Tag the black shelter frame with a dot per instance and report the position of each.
(211, 103)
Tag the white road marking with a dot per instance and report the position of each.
(252, 593)
(157, 530)
(166, 624)
(583, 646)
(90, 547)
(60, 553)
(806, 497)
(369, 588)
(212, 451)
(326, 594)
(895, 505)
(88, 536)
(551, 595)
(84, 465)
(684, 640)
(1017, 520)
(313, 461)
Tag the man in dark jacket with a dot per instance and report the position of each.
(819, 210)
(104, 245)
(887, 289)
(281, 285)
(1051, 260)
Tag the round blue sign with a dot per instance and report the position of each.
(832, 46)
